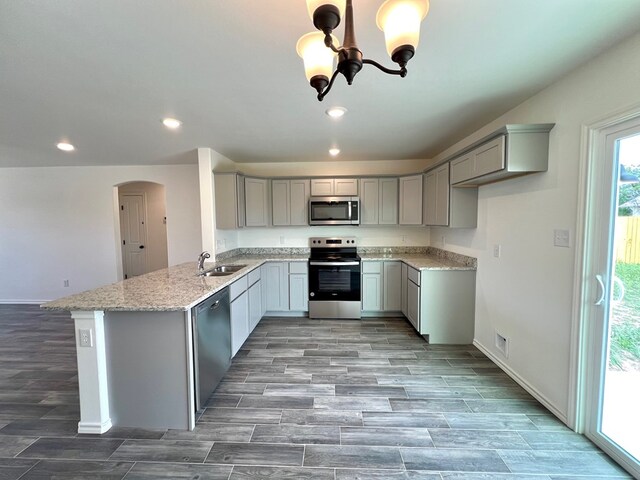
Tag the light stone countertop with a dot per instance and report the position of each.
(175, 288)
(419, 261)
(179, 288)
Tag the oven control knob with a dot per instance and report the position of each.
(312, 294)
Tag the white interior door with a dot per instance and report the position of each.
(134, 235)
(612, 359)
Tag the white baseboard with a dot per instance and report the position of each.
(94, 427)
(523, 383)
(22, 301)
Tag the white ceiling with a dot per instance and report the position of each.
(102, 74)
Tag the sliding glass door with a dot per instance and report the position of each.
(613, 410)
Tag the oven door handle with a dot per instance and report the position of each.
(333, 264)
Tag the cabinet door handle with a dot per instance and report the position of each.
(602, 290)
(215, 305)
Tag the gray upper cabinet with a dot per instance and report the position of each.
(281, 202)
(410, 204)
(328, 187)
(509, 152)
(229, 199)
(379, 201)
(436, 196)
(256, 192)
(290, 202)
(299, 202)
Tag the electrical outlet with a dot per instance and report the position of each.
(65, 283)
(562, 238)
(85, 337)
(404, 239)
(443, 240)
(281, 239)
(497, 250)
(502, 344)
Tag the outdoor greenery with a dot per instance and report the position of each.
(625, 321)
(628, 191)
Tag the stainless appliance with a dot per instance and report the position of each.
(334, 278)
(211, 344)
(334, 211)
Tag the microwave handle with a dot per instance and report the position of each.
(350, 210)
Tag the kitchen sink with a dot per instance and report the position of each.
(222, 270)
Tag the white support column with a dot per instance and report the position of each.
(92, 373)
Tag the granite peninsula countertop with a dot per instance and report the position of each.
(179, 288)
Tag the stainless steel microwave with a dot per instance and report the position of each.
(334, 211)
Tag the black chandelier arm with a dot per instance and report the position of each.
(402, 72)
(328, 41)
(326, 91)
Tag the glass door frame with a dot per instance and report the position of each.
(596, 220)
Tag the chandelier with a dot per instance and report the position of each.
(398, 19)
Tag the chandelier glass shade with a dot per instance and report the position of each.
(400, 21)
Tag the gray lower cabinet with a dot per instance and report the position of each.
(381, 286)
(403, 281)
(392, 286)
(298, 287)
(276, 286)
(440, 304)
(255, 299)
(413, 304)
(239, 298)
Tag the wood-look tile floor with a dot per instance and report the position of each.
(303, 399)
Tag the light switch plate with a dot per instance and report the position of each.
(562, 238)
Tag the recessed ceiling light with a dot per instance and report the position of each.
(336, 112)
(65, 147)
(171, 123)
(334, 152)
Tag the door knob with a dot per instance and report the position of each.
(141, 247)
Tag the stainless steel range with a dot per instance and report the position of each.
(334, 278)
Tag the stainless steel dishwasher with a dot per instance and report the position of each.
(212, 344)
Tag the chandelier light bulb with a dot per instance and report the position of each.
(400, 21)
(318, 59)
(334, 152)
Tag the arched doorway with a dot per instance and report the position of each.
(142, 226)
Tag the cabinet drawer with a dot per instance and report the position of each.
(299, 267)
(237, 288)
(371, 267)
(414, 275)
(253, 276)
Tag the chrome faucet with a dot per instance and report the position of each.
(201, 258)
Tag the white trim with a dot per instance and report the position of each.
(191, 377)
(94, 428)
(93, 382)
(522, 382)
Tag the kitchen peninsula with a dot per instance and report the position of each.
(134, 339)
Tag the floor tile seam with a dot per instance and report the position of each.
(29, 469)
(37, 439)
(130, 468)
